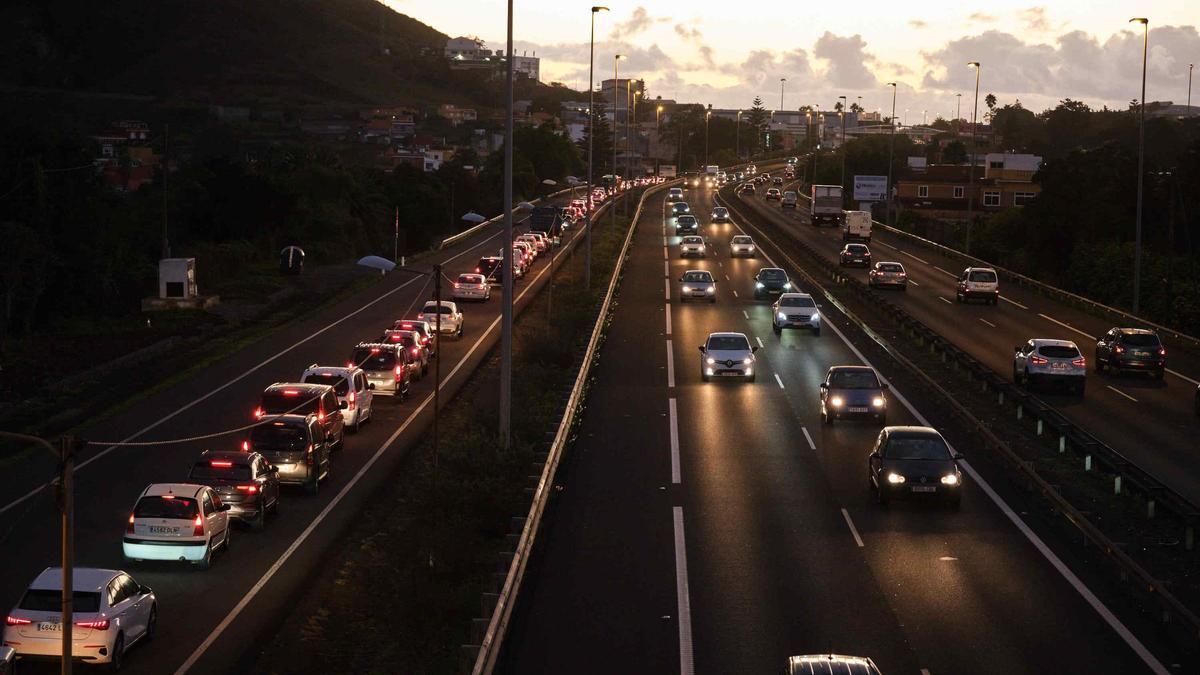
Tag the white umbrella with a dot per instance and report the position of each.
(549, 181)
(382, 264)
(473, 217)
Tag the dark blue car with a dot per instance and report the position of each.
(853, 391)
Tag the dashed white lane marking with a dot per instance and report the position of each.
(759, 341)
(665, 242)
(1068, 327)
(667, 289)
(667, 269)
(668, 306)
(887, 245)
(674, 422)
(726, 277)
(988, 322)
(1121, 393)
(913, 282)
(735, 294)
(853, 530)
(665, 256)
(945, 300)
(778, 381)
(807, 437)
(947, 273)
(744, 312)
(1013, 302)
(670, 365)
(914, 257)
(719, 264)
(687, 664)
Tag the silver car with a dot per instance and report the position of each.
(727, 355)
(1044, 361)
(472, 287)
(692, 245)
(795, 310)
(742, 245)
(720, 214)
(697, 284)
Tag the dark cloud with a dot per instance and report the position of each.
(848, 59)
(639, 22)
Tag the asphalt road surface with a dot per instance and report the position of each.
(720, 527)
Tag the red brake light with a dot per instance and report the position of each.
(291, 392)
(321, 416)
(1037, 360)
(374, 350)
(399, 371)
(1119, 349)
(222, 465)
(456, 284)
(129, 527)
(349, 364)
(198, 527)
(1081, 362)
(258, 413)
(1162, 351)
(11, 620)
(416, 350)
(476, 270)
(248, 488)
(245, 446)
(98, 624)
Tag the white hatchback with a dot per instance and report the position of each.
(177, 521)
(741, 245)
(472, 287)
(692, 245)
(111, 612)
(697, 284)
(350, 386)
(452, 319)
(727, 355)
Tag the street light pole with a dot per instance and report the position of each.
(842, 114)
(628, 154)
(891, 153)
(612, 207)
(1189, 98)
(506, 306)
(587, 223)
(971, 168)
(707, 116)
(958, 115)
(737, 135)
(437, 365)
(1137, 237)
(782, 80)
(657, 135)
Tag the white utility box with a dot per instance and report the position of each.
(177, 278)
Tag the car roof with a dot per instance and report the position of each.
(1048, 342)
(727, 334)
(180, 489)
(851, 369)
(1136, 331)
(93, 579)
(227, 455)
(302, 387)
(830, 664)
(334, 370)
(373, 345)
(698, 271)
(980, 269)
(795, 295)
(911, 431)
(889, 262)
(853, 245)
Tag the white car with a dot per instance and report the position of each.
(177, 521)
(541, 240)
(111, 613)
(351, 388)
(692, 245)
(472, 287)
(727, 355)
(742, 245)
(977, 282)
(452, 319)
(537, 241)
(1049, 362)
(697, 284)
(795, 310)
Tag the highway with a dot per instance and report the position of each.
(212, 622)
(1151, 422)
(719, 527)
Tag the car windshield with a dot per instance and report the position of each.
(772, 275)
(681, 206)
(725, 343)
(205, 470)
(697, 277)
(1140, 339)
(442, 309)
(283, 402)
(686, 220)
(789, 193)
(916, 447)
(47, 600)
(693, 240)
(983, 277)
(1058, 351)
(375, 359)
(470, 278)
(720, 211)
(742, 240)
(890, 267)
(278, 436)
(853, 379)
(856, 248)
(339, 384)
(799, 301)
(182, 508)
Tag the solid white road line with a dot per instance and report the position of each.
(988, 322)
(914, 257)
(667, 289)
(1121, 393)
(945, 300)
(687, 664)
(744, 313)
(779, 381)
(887, 245)
(1013, 302)
(674, 430)
(1068, 327)
(759, 341)
(665, 242)
(665, 256)
(853, 530)
(947, 273)
(670, 365)
(1183, 377)
(807, 437)
(668, 306)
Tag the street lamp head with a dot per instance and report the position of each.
(598, 8)
(972, 64)
(660, 108)
(618, 57)
(891, 84)
(1141, 20)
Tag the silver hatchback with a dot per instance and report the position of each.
(692, 245)
(697, 284)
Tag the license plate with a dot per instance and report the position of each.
(1058, 366)
(161, 529)
(286, 468)
(731, 374)
(924, 488)
(1141, 353)
(50, 626)
(857, 410)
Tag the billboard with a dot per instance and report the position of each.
(666, 170)
(870, 188)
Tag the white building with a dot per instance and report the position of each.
(465, 49)
(529, 66)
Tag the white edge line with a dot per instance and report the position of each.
(673, 428)
(1121, 393)
(1068, 327)
(853, 530)
(744, 313)
(987, 322)
(913, 282)
(759, 341)
(914, 257)
(670, 365)
(687, 664)
(945, 300)
(807, 437)
(1183, 377)
(735, 294)
(779, 381)
(667, 289)
(667, 269)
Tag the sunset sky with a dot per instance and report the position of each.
(726, 53)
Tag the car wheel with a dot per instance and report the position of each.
(260, 520)
(152, 623)
(777, 329)
(118, 654)
(313, 486)
(205, 562)
(712, 301)
(354, 427)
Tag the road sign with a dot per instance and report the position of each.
(666, 170)
(870, 188)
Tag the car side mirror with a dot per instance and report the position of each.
(874, 455)
(681, 278)
(224, 507)
(824, 385)
(702, 350)
(145, 590)
(343, 405)
(753, 349)
(371, 385)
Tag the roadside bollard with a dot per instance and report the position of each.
(1087, 462)
(1062, 444)
(1000, 398)
(1150, 509)
(1117, 485)
(1039, 427)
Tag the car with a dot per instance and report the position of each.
(294, 444)
(451, 319)
(187, 522)
(791, 161)
(492, 268)
(424, 330)
(539, 241)
(752, 169)
(692, 245)
(297, 398)
(727, 355)
(853, 391)
(418, 349)
(472, 287)
(795, 310)
(543, 240)
(746, 188)
(1131, 349)
(351, 388)
(885, 274)
(390, 367)
(720, 214)
(742, 245)
(977, 282)
(525, 251)
(1047, 361)
(740, 175)
(520, 264)
(777, 181)
(770, 281)
(914, 461)
(773, 193)
(687, 224)
(245, 481)
(111, 612)
(855, 254)
(697, 284)
(680, 208)
(788, 201)
(828, 664)
(674, 195)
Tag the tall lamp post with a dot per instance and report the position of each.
(628, 143)
(958, 115)
(891, 152)
(842, 114)
(612, 209)
(782, 81)
(737, 136)
(587, 223)
(1189, 98)
(707, 117)
(506, 308)
(1137, 236)
(971, 168)
(657, 132)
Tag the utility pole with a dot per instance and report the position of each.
(437, 365)
(738, 136)
(612, 207)
(958, 115)
(782, 80)
(166, 168)
(587, 223)
(1189, 98)
(396, 239)
(707, 117)
(891, 153)
(1137, 237)
(506, 305)
(971, 168)
(842, 114)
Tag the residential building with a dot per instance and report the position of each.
(456, 114)
(434, 157)
(942, 191)
(466, 49)
(527, 66)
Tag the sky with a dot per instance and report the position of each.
(725, 53)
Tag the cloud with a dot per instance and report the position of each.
(981, 17)
(1035, 19)
(847, 58)
(639, 22)
(687, 33)
(918, 24)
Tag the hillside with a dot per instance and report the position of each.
(232, 52)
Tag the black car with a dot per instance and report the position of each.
(299, 398)
(855, 254)
(853, 391)
(687, 224)
(1131, 349)
(770, 281)
(296, 445)
(680, 208)
(491, 267)
(914, 461)
(246, 482)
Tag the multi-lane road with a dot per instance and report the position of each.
(208, 622)
(1151, 422)
(719, 527)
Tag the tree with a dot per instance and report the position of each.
(603, 145)
(954, 153)
(757, 119)
(855, 107)
(990, 102)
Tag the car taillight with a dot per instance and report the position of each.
(456, 284)
(98, 624)
(1119, 349)
(320, 415)
(308, 459)
(476, 270)
(258, 413)
(11, 620)
(198, 527)
(129, 527)
(416, 350)
(221, 465)
(1037, 360)
(1162, 351)
(251, 489)
(245, 446)
(350, 401)
(1081, 362)
(399, 371)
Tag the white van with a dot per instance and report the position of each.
(856, 225)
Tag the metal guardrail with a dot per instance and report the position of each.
(1127, 477)
(454, 239)
(493, 638)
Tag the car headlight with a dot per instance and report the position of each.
(895, 478)
(708, 371)
(747, 361)
(877, 401)
(758, 284)
(836, 401)
(787, 286)
(710, 290)
(782, 315)
(710, 361)
(951, 479)
(816, 316)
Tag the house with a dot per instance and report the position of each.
(456, 114)
(943, 191)
(465, 49)
(390, 160)
(527, 66)
(434, 157)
